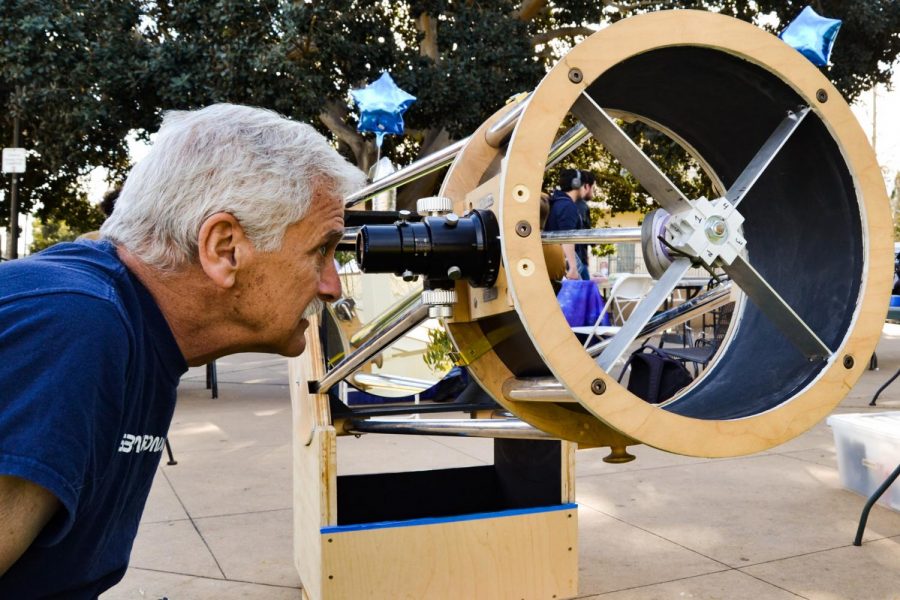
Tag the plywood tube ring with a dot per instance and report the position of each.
(816, 223)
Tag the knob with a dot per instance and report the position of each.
(434, 206)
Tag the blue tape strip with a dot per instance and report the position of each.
(436, 520)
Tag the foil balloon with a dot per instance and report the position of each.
(381, 106)
(812, 35)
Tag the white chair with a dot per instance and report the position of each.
(627, 289)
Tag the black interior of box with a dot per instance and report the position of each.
(525, 474)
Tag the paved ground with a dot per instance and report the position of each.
(773, 525)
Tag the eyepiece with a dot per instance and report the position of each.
(441, 249)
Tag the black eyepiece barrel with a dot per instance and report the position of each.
(441, 249)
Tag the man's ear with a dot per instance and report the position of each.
(223, 248)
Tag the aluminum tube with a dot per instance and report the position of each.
(486, 428)
(536, 389)
(349, 237)
(404, 322)
(390, 382)
(381, 321)
(421, 167)
(680, 314)
(440, 159)
(548, 389)
(567, 143)
(502, 128)
(613, 235)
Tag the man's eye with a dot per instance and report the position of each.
(323, 250)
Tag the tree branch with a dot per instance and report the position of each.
(546, 36)
(530, 9)
(426, 25)
(333, 117)
(628, 6)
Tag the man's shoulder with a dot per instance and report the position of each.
(81, 268)
(563, 205)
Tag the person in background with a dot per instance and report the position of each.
(565, 215)
(584, 210)
(222, 240)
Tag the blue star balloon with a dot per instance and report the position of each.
(381, 106)
(812, 35)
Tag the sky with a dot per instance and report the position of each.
(882, 107)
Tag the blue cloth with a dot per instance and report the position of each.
(581, 302)
(88, 372)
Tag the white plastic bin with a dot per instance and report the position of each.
(868, 450)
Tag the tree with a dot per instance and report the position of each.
(50, 231)
(72, 72)
(460, 59)
(867, 46)
(91, 72)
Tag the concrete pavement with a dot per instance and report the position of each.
(772, 525)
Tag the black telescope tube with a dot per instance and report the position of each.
(441, 249)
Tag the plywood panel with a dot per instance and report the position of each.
(523, 556)
(314, 464)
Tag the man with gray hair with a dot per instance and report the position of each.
(222, 241)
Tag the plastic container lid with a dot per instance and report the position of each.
(883, 423)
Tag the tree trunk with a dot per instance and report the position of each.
(364, 151)
(435, 139)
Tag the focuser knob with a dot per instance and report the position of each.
(434, 206)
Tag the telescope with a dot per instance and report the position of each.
(798, 230)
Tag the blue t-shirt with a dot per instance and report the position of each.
(88, 373)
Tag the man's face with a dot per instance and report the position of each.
(281, 285)
(587, 191)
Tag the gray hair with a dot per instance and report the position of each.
(249, 162)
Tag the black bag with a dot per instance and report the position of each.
(655, 376)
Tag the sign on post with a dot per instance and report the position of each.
(14, 160)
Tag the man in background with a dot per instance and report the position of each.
(565, 215)
(584, 210)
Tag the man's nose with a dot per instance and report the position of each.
(330, 283)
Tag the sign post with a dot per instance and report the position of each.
(14, 162)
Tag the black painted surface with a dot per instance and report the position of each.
(526, 474)
(802, 217)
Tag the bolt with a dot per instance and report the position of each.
(409, 276)
(822, 96)
(454, 273)
(575, 75)
(440, 311)
(716, 229)
(598, 386)
(451, 220)
(848, 361)
(523, 228)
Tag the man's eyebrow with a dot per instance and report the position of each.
(334, 236)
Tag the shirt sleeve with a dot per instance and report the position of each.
(62, 372)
